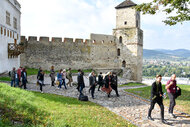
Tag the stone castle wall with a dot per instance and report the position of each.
(99, 52)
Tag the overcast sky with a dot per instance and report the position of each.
(79, 18)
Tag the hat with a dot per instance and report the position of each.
(108, 73)
(64, 70)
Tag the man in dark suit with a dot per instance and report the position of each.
(114, 83)
(93, 82)
(80, 80)
(156, 97)
(100, 80)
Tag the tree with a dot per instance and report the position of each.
(178, 8)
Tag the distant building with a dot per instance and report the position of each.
(9, 34)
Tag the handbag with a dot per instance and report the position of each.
(57, 82)
(37, 83)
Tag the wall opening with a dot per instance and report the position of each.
(123, 63)
(118, 52)
(120, 39)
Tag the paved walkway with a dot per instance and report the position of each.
(128, 106)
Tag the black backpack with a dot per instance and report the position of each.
(83, 98)
(178, 92)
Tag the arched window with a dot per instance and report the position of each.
(120, 39)
(118, 52)
(124, 63)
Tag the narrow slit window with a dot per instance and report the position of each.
(120, 39)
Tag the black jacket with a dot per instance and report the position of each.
(100, 79)
(92, 80)
(114, 82)
(80, 80)
(107, 80)
(41, 77)
(155, 92)
(24, 76)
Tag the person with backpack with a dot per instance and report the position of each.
(171, 89)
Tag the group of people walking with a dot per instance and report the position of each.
(60, 78)
(18, 77)
(157, 96)
(106, 83)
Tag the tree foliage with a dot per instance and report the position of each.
(178, 11)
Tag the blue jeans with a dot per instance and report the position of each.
(60, 84)
(12, 83)
(16, 82)
(64, 83)
(80, 89)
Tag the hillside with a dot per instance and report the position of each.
(28, 109)
(181, 54)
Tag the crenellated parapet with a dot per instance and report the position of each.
(94, 39)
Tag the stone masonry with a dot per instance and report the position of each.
(98, 52)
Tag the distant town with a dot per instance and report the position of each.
(157, 62)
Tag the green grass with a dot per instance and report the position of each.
(39, 110)
(182, 102)
(32, 71)
(132, 84)
(5, 79)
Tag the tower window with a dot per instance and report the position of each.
(124, 63)
(120, 39)
(137, 23)
(125, 23)
(118, 52)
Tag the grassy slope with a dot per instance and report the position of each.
(36, 109)
(182, 102)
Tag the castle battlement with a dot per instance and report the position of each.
(95, 39)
